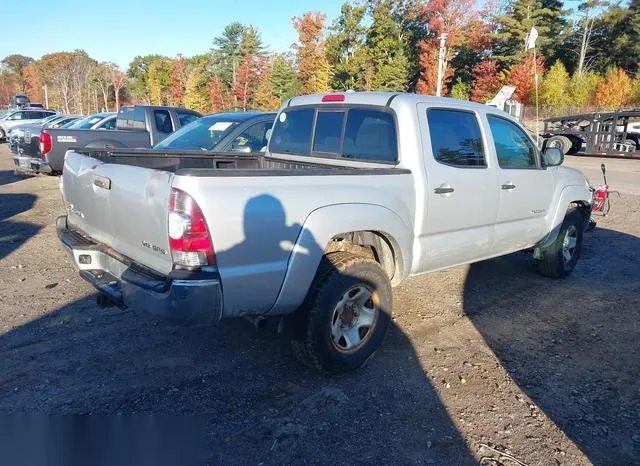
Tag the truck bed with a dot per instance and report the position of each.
(223, 164)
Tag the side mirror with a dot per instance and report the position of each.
(552, 157)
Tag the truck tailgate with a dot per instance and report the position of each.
(121, 206)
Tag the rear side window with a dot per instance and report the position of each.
(455, 138)
(354, 133)
(292, 133)
(370, 135)
(163, 121)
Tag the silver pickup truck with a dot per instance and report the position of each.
(356, 192)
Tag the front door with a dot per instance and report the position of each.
(462, 194)
(526, 189)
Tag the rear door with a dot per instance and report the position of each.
(122, 206)
(526, 189)
(462, 193)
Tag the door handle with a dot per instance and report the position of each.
(508, 186)
(444, 190)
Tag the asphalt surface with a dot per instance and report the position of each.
(490, 355)
(622, 174)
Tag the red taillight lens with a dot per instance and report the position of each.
(45, 143)
(333, 98)
(189, 237)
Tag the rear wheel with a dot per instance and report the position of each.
(560, 258)
(562, 142)
(345, 315)
(2, 134)
(576, 145)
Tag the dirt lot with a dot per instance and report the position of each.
(490, 354)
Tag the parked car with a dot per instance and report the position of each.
(30, 158)
(17, 132)
(103, 120)
(223, 132)
(19, 117)
(136, 126)
(356, 192)
(25, 143)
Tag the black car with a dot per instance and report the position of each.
(246, 132)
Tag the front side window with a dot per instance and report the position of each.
(203, 133)
(514, 149)
(252, 139)
(455, 138)
(109, 124)
(18, 116)
(292, 132)
(186, 118)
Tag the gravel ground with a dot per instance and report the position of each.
(487, 355)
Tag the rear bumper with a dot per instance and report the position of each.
(183, 298)
(25, 163)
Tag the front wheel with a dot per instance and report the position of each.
(560, 258)
(2, 134)
(345, 315)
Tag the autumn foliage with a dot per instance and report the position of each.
(522, 75)
(486, 81)
(313, 65)
(615, 91)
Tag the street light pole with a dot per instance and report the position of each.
(46, 96)
(441, 55)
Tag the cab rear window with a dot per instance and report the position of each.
(363, 133)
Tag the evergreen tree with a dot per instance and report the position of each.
(513, 26)
(346, 50)
(387, 50)
(284, 78)
(138, 76)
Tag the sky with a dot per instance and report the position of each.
(118, 30)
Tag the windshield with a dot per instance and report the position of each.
(86, 123)
(204, 134)
(51, 120)
(68, 124)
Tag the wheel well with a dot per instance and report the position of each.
(371, 244)
(583, 208)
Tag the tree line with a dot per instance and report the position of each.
(587, 58)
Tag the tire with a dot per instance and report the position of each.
(576, 145)
(2, 134)
(325, 335)
(560, 258)
(563, 142)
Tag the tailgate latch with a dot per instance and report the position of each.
(102, 182)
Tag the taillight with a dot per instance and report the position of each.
(189, 237)
(45, 143)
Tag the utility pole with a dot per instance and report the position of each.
(441, 57)
(46, 96)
